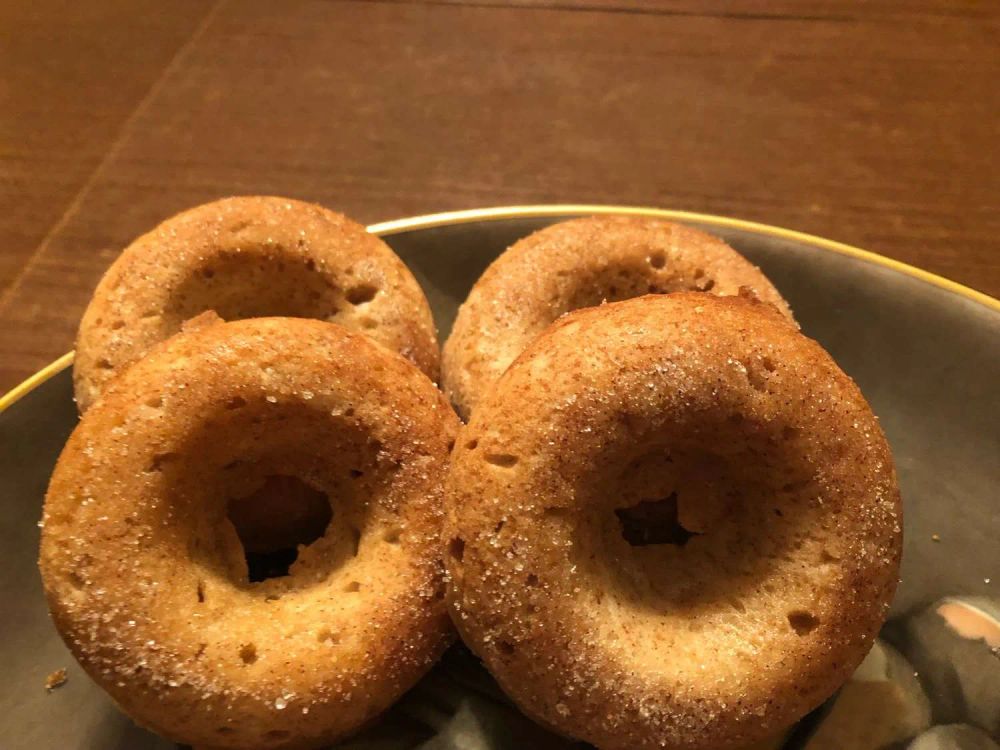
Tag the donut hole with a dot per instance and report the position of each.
(622, 280)
(253, 282)
(76, 580)
(669, 509)
(653, 522)
(327, 636)
(802, 622)
(503, 460)
(758, 372)
(271, 497)
(160, 460)
(392, 536)
(702, 282)
(355, 541)
(274, 521)
(756, 378)
(236, 402)
(594, 289)
(361, 294)
(248, 653)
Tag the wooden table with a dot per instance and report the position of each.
(874, 123)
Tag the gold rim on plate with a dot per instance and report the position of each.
(429, 221)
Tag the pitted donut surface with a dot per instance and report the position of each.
(144, 570)
(673, 523)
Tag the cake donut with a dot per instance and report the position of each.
(250, 257)
(141, 555)
(575, 264)
(673, 523)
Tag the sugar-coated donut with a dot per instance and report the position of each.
(144, 571)
(575, 264)
(250, 257)
(673, 523)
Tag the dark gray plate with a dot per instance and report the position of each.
(925, 352)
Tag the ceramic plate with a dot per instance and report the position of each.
(925, 351)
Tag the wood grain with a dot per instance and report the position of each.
(71, 75)
(873, 124)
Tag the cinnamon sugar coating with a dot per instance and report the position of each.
(673, 523)
(249, 257)
(147, 579)
(576, 264)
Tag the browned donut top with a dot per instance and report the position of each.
(674, 522)
(577, 264)
(250, 257)
(145, 574)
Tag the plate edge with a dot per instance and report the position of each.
(466, 216)
(34, 380)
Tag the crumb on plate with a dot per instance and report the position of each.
(55, 679)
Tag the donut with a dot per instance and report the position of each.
(250, 257)
(141, 555)
(576, 264)
(673, 523)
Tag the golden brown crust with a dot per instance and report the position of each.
(781, 559)
(250, 257)
(145, 575)
(577, 264)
